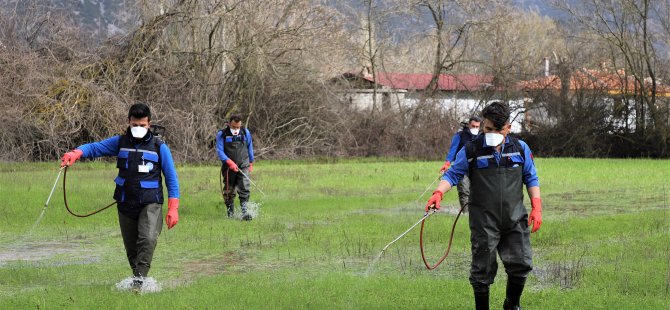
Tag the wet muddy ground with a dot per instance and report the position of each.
(48, 252)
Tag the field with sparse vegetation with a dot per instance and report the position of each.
(603, 244)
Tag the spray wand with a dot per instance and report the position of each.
(46, 204)
(429, 213)
(252, 182)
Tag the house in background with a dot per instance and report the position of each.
(460, 93)
(617, 90)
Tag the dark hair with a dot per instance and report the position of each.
(139, 110)
(498, 113)
(235, 118)
(475, 119)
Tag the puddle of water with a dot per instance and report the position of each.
(40, 251)
(211, 266)
(149, 285)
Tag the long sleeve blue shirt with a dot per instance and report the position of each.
(460, 166)
(222, 153)
(453, 149)
(110, 147)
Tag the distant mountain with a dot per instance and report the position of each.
(544, 7)
(103, 18)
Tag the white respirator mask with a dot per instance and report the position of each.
(474, 131)
(235, 131)
(138, 132)
(493, 138)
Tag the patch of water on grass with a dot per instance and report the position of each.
(253, 209)
(40, 251)
(149, 285)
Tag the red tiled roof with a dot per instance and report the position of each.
(613, 83)
(420, 81)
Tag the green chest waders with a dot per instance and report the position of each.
(498, 224)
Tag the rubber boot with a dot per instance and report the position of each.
(136, 286)
(231, 210)
(514, 289)
(482, 300)
(245, 215)
(481, 297)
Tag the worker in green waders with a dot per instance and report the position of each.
(141, 157)
(235, 149)
(498, 165)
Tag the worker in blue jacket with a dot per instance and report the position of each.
(498, 166)
(236, 152)
(141, 159)
(469, 132)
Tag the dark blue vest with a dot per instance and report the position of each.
(466, 136)
(236, 147)
(496, 189)
(135, 187)
(480, 157)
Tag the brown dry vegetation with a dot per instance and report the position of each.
(197, 62)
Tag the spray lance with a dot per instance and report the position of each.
(243, 174)
(426, 215)
(252, 182)
(46, 204)
(63, 170)
(422, 221)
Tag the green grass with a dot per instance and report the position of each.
(604, 242)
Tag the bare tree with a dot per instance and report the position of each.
(198, 61)
(452, 21)
(628, 27)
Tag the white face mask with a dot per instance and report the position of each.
(235, 131)
(493, 138)
(138, 132)
(474, 131)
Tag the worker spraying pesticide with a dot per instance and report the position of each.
(498, 165)
(142, 159)
(235, 149)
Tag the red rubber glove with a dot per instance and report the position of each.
(172, 216)
(251, 167)
(434, 200)
(70, 157)
(446, 166)
(535, 217)
(232, 165)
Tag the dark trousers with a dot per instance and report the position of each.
(140, 236)
(463, 188)
(511, 243)
(235, 181)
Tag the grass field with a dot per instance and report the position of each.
(604, 243)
